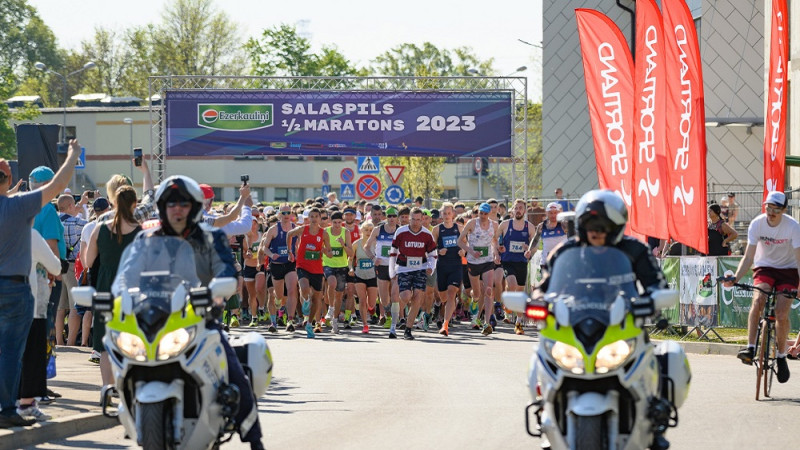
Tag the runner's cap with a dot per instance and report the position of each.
(776, 198)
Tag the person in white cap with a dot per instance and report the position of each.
(550, 231)
(773, 249)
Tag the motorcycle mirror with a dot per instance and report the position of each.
(664, 298)
(515, 301)
(562, 313)
(83, 295)
(618, 310)
(223, 287)
(102, 302)
(199, 297)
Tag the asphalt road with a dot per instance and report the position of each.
(463, 392)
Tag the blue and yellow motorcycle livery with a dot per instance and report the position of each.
(170, 369)
(596, 380)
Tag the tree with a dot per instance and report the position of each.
(501, 178)
(113, 58)
(24, 38)
(422, 176)
(281, 51)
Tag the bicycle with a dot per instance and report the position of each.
(766, 346)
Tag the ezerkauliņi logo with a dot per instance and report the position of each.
(235, 117)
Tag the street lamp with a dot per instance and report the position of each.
(519, 69)
(473, 71)
(41, 66)
(129, 121)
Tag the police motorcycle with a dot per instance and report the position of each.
(170, 370)
(596, 380)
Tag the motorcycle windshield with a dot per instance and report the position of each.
(156, 266)
(589, 279)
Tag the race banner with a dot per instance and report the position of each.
(240, 123)
(698, 290)
(776, 108)
(671, 267)
(650, 206)
(734, 303)
(686, 141)
(608, 74)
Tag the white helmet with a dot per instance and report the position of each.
(605, 208)
(182, 187)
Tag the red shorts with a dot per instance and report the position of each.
(780, 279)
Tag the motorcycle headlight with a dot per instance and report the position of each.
(613, 355)
(173, 343)
(130, 345)
(566, 356)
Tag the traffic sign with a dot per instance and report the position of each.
(369, 164)
(395, 172)
(478, 165)
(347, 175)
(81, 162)
(394, 194)
(326, 189)
(368, 187)
(347, 192)
(325, 176)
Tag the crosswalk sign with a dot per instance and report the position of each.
(81, 162)
(369, 164)
(347, 192)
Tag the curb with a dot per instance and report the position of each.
(60, 428)
(708, 348)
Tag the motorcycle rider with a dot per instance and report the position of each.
(180, 207)
(602, 215)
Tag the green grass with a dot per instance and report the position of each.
(730, 335)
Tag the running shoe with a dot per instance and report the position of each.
(506, 319)
(383, 320)
(33, 411)
(439, 323)
(353, 321)
(374, 320)
(253, 323)
(272, 329)
(407, 335)
(246, 315)
(365, 330)
(475, 324)
(335, 327)
(392, 335)
(402, 324)
(290, 327)
(234, 321)
(425, 320)
(263, 318)
(492, 321)
(318, 328)
(309, 331)
(444, 332)
(746, 355)
(348, 325)
(306, 308)
(387, 322)
(783, 370)
(518, 329)
(487, 330)
(51, 393)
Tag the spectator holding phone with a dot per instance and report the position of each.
(239, 219)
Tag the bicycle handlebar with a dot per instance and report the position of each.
(786, 292)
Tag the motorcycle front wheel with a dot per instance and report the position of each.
(591, 433)
(156, 426)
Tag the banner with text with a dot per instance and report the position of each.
(686, 133)
(775, 123)
(698, 291)
(608, 74)
(238, 123)
(734, 303)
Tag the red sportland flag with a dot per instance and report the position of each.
(651, 190)
(775, 123)
(686, 138)
(608, 72)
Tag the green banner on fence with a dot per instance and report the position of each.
(734, 303)
(671, 267)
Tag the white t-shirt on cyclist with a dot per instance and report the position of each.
(774, 245)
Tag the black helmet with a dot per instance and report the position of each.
(605, 208)
(180, 187)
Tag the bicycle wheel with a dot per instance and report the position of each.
(758, 358)
(771, 354)
(763, 358)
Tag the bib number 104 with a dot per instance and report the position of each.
(449, 123)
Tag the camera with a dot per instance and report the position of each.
(245, 179)
(137, 154)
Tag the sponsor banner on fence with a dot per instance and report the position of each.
(219, 122)
(672, 273)
(698, 299)
(734, 303)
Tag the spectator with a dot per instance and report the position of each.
(235, 222)
(146, 209)
(109, 239)
(332, 198)
(100, 206)
(733, 210)
(17, 213)
(536, 213)
(719, 233)
(70, 216)
(566, 205)
(418, 201)
(33, 379)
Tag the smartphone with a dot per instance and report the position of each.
(90, 194)
(137, 154)
(245, 179)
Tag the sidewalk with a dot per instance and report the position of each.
(76, 412)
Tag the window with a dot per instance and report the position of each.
(218, 193)
(289, 194)
(327, 158)
(447, 194)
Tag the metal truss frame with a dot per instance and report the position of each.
(518, 86)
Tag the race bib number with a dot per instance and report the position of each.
(385, 250)
(450, 241)
(414, 261)
(516, 247)
(254, 248)
(336, 251)
(312, 255)
(283, 251)
(484, 251)
(365, 264)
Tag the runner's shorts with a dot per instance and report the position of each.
(340, 273)
(370, 282)
(408, 281)
(314, 279)
(465, 277)
(383, 273)
(477, 270)
(518, 269)
(448, 274)
(249, 273)
(279, 270)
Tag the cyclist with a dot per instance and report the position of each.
(773, 249)
(601, 216)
